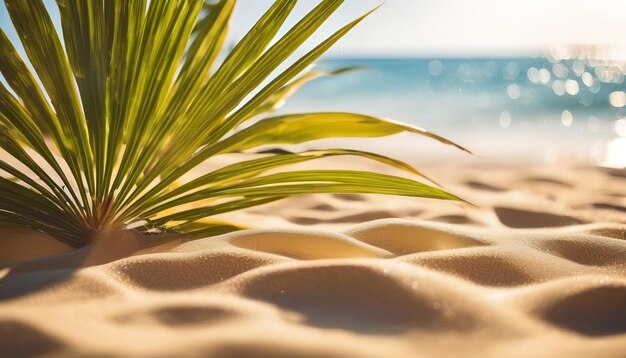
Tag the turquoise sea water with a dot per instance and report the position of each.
(569, 109)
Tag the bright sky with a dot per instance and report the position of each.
(454, 27)
(464, 27)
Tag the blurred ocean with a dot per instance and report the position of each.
(505, 109)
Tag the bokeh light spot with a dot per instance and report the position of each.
(505, 119)
(567, 118)
(435, 68)
(617, 99)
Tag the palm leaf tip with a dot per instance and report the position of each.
(136, 94)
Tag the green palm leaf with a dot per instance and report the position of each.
(133, 98)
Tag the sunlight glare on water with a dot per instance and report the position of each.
(615, 153)
(565, 101)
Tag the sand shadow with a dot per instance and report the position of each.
(19, 339)
(355, 298)
(484, 186)
(176, 316)
(519, 219)
(24, 277)
(582, 313)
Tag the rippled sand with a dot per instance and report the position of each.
(537, 268)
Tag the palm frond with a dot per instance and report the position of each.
(134, 97)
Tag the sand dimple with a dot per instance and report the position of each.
(483, 267)
(483, 186)
(517, 218)
(305, 244)
(510, 278)
(598, 311)
(367, 299)
(415, 236)
(353, 218)
(20, 339)
(588, 250)
(177, 316)
(175, 272)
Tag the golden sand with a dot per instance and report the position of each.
(536, 269)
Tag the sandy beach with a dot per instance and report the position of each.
(132, 131)
(536, 268)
